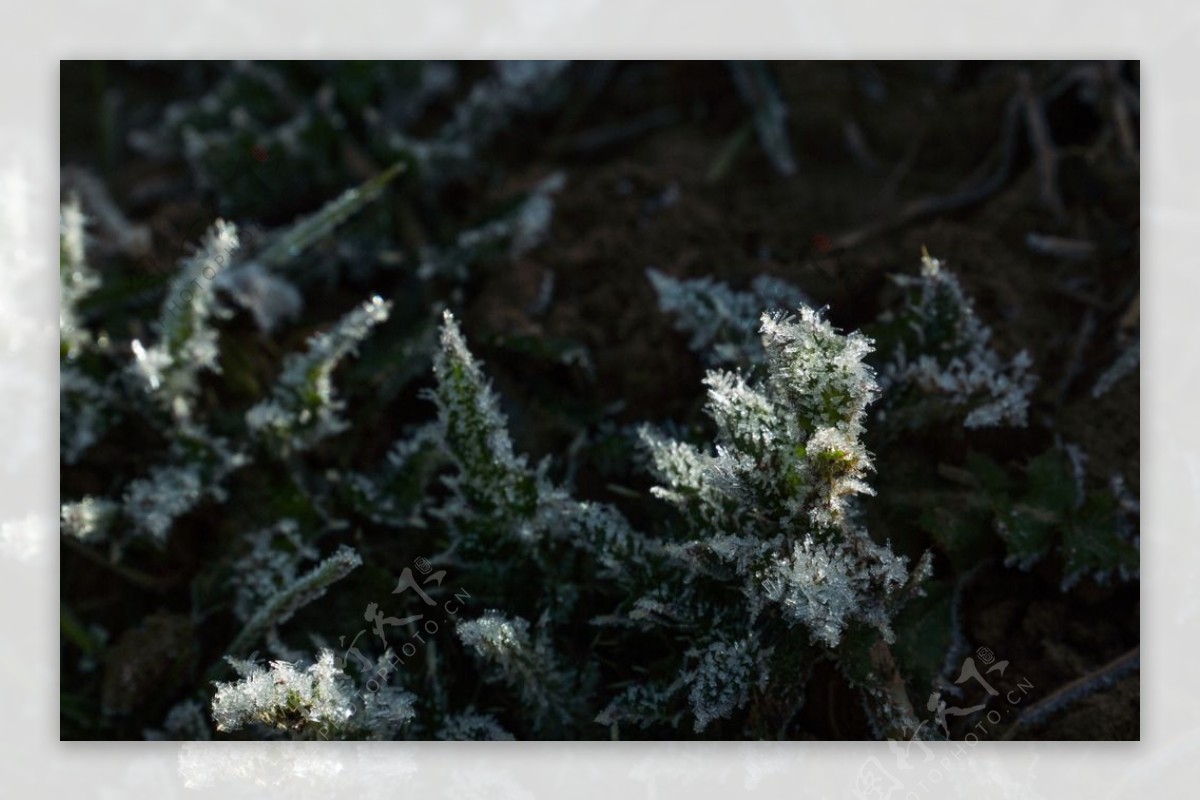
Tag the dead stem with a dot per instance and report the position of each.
(1045, 154)
(1099, 679)
(896, 715)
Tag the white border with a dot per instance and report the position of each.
(1165, 35)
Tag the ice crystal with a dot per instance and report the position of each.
(825, 587)
(503, 641)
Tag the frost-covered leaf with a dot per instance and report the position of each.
(723, 678)
(77, 279)
(491, 481)
(198, 468)
(303, 408)
(310, 229)
(526, 664)
(1100, 543)
(270, 564)
(1051, 510)
(758, 89)
(290, 598)
(1125, 364)
(939, 359)
(472, 725)
(515, 234)
(85, 413)
(169, 369)
(722, 323)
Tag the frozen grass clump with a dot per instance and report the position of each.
(941, 363)
(770, 528)
(311, 701)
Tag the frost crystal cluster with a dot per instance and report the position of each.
(285, 696)
(314, 701)
(198, 467)
(84, 413)
(87, 519)
(721, 682)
